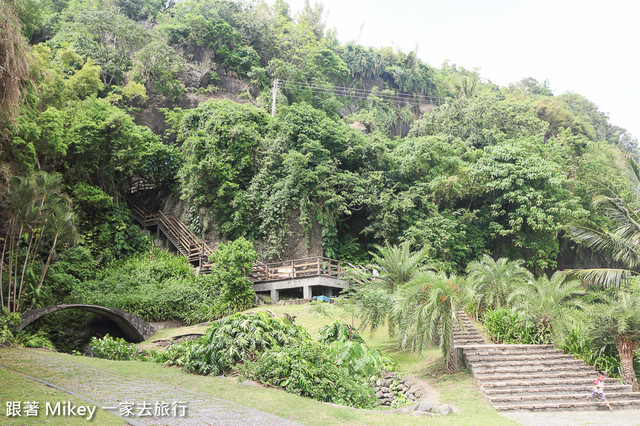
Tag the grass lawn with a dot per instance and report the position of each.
(16, 387)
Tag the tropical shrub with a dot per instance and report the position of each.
(240, 338)
(508, 326)
(304, 369)
(11, 336)
(605, 359)
(339, 331)
(360, 360)
(113, 348)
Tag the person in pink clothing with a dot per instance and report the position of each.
(598, 390)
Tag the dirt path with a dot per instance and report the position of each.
(139, 401)
(571, 418)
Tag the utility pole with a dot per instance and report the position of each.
(273, 97)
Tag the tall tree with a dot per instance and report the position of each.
(427, 312)
(494, 280)
(616, 320)
(551, 301)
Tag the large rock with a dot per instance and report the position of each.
(444, 410)
(424, 406)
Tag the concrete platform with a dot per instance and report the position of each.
(322, 284)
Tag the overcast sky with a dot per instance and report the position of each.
(588, 47)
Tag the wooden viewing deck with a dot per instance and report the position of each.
(299, 268)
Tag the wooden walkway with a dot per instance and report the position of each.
(197, 251)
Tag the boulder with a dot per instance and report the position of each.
(424, 406)
(379, 395)
(444, 410)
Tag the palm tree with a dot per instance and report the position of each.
(396, 264)
(36, 211)
(550, 301)
(616, 320)
(494, 280)
(426, 311)
(622, 244)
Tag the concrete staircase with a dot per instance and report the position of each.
(467, 335)
(535, 377)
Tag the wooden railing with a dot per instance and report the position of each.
(187, 243)
(139, 184)
(299, 268)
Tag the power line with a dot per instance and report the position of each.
(357, 93)
(408, 98)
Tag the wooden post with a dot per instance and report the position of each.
(339, 269)
(319, 265)
(273, 97)
(293, 274)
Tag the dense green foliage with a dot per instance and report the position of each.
(227, 288)
(305, 369)
(508, 326)
(11, 336)
(112, 348)
(154, 285)
(277, 353)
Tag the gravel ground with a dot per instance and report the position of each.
(570, 418)
(138, 401)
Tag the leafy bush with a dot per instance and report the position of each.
(360, 360)
(507, 326)
(11, 336)
(113, 348)
(177, 354)
(304, 369)
(607, 359)
(232, 263)
(154, 285)
(339, 331)
(240, 338)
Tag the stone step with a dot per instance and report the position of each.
(534, 376)
(569, 406)
(519, 357)
(501, 346)
(478, 351)
(518, 383)
(572, 398)
(467, 340)
(552, 389)
(507, 362)
(468, 334)
(522, 370)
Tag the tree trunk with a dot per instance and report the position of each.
(452, 362)
(46, 265)
(4, 247)
(24, 269)
(627, 349)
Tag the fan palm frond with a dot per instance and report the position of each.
(602, 277)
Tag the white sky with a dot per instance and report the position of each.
(588, 47)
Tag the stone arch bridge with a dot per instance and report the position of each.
(134, 328)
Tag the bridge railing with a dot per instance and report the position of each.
(298, 268)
